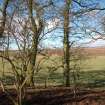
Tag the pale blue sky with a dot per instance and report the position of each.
(58, 41)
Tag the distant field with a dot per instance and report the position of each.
(95, 60)
(93, 63)
(88, 51)
(92, 70)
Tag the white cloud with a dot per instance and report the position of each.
(53, 23)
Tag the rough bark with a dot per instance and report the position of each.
(66, 44)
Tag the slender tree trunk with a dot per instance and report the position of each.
(31, 69)
(66, 44)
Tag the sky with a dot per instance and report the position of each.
(52, 42)
(93, 23)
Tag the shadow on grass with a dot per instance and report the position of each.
(96, 84)
(8, 80)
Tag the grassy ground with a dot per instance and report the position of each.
(92, 72)
(93, 63)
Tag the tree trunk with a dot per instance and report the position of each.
(31, 69)
(36, 29)
(66, 45)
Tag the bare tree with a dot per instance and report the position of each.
(66, 46)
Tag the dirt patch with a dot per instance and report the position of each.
(58, 96)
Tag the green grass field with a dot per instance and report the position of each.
(93, 63)
(91, 73)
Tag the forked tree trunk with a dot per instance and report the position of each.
(33, 51)
(36, 29)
